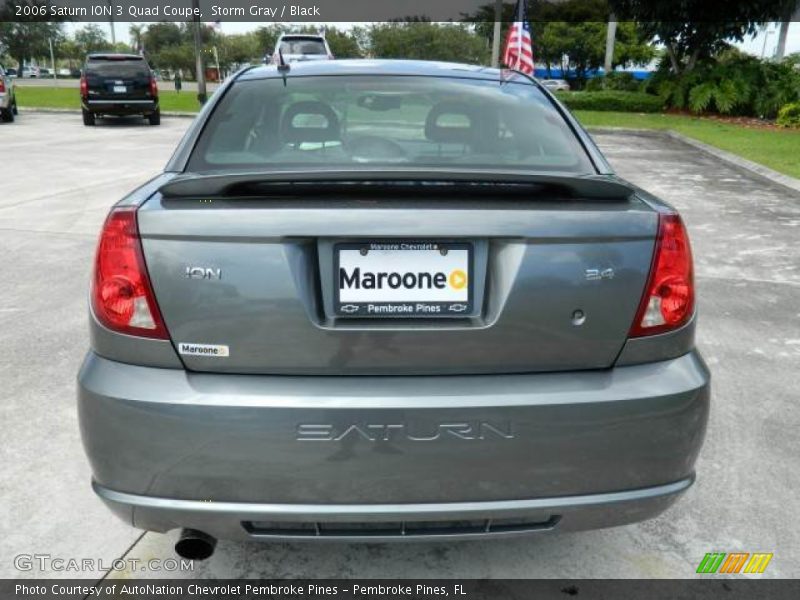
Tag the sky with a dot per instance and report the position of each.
(765, 41)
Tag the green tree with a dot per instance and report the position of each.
(542, 14)
(427, 41)
(238, 49)
(27, 38)
(160, 36)
(91, 39)
(692, 30)
(584, 45)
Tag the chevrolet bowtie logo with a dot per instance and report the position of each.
(349, 308)
(457, 307)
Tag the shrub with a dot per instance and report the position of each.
(789, 115)
(612, 100)
(734, 84)
(616, 80)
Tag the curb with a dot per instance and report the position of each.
(73, 111)
(738, 163)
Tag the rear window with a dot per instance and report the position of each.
(375, 121)
(302, 46)
(117, 68)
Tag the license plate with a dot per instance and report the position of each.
(403, 279)
(120, 89)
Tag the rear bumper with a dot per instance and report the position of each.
(120, 107)
(389, 522)
(233, 455)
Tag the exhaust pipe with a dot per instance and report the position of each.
(195, 545)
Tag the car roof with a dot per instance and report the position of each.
(367, 66)
(313, 36)
(113, 56)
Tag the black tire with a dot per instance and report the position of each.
(7, 115)
(88, 118)
(154, 118)
(14, 108)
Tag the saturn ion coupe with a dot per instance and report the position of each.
(389, 300)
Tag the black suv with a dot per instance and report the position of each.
(118, 84)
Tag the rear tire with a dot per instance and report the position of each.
(154, 118)
(7, 115)
(15, 109)
(88, 118)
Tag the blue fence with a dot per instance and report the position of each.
(557, 73)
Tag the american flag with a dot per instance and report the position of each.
(519, 51)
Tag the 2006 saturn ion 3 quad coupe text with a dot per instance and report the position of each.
(376, 300)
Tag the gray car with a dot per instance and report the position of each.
(8, 98)
(555, 85)
(390, 300)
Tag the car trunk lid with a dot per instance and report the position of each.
(247, 284)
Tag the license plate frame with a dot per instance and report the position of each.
(463, 258)
(120, 89)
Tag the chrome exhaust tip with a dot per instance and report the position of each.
(195, 545)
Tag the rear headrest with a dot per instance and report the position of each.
(310, 121)
(437, 129)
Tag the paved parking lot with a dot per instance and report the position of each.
(58, 180)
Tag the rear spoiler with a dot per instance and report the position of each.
(222, 184)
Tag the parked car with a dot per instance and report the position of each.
(11, 72)
(118, 85)
(555, 85)
(45, 73)
(300, 47)
(8, 97)
(383, 300)
(30, 72)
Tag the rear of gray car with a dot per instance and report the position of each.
(390, 300)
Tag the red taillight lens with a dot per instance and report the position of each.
(2, 86)
(668, 301)
(84, 87)
(122, 298)
(153, 87)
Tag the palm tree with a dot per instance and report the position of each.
(137, 31)
(791, 14)
(611, 34)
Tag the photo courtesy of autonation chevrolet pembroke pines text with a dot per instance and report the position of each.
(470, 299)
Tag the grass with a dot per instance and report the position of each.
(53, 97)
(776, 149)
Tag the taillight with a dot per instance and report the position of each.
(153, 87)
(122, 297)
(84, 87)
(668, 301)
(2, 86)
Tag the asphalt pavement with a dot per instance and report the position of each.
(58, 180)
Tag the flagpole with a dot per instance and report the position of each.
(498, 17)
